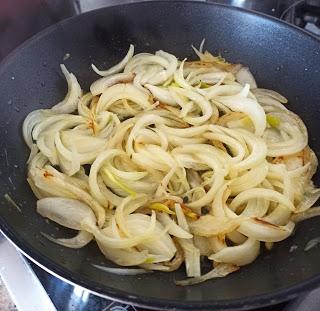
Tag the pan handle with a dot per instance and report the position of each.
(23, 285)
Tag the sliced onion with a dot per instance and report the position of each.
(56, 184)
(66, 212)
(136, 224)
(174, 229)
(198, 100)
(203, 244)
(99, 86)
(220, 271)
(244, 76)
(247, 105)
(31, 120)
(118, 67)
(123, 257)
(80, 240)
(161, 94)
(122, 91)
(270, 93)
(122, 271)
(209, 225)
(310, 197)
(264, 231)
(267, 194)
(192, 257)
(70, 102)
(238, 255)
(33, 152)
(118, 243)
(310, 213)
(250, 179)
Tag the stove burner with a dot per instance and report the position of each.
(304, 14)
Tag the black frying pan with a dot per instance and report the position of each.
(281, 57)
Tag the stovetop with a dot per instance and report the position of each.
(20, 19)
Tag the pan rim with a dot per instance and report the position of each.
(59, 271)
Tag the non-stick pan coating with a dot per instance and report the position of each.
(281, 57)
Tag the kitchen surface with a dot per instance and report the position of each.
(6, 302)
(31, 287)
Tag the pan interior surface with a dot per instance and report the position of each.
(281, 58)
